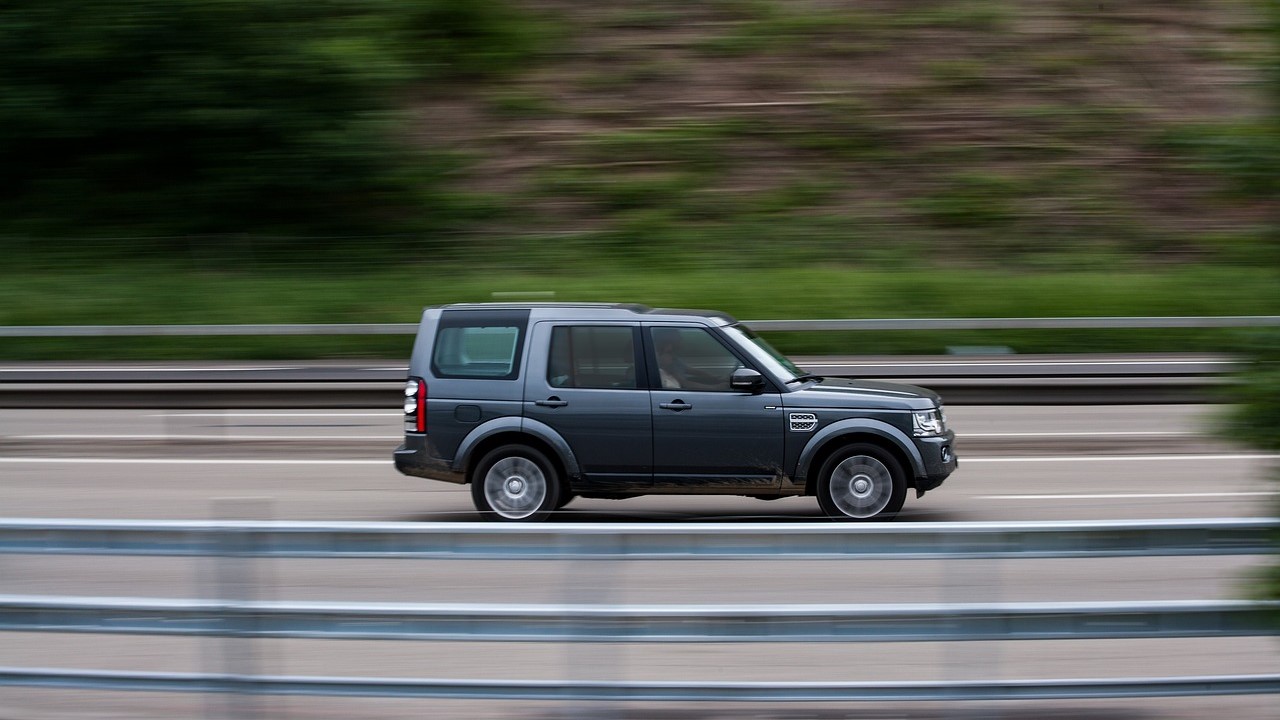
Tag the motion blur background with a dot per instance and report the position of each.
(242, 161)
(350, 161)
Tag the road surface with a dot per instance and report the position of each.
(1017, 463)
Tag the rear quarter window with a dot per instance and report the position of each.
(479, 347)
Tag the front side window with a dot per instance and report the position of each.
(598, 357)
(478, 346)
(692, 359)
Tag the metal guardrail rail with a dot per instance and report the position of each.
(904, 622)
(650, 692)
(1039, 381)
(642, 541)
(1026, 323)
(241, 620)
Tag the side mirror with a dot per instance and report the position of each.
(747, 380)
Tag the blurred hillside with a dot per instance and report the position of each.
(882, 132)
(558, 133)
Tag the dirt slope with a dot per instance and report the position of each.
(870, 131)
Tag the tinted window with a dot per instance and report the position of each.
(592, 357)
(478, 345)
(692, 359)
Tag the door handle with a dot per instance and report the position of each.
(552, 401)
(678, 405)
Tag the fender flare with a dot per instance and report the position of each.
(524, 426)
(865, 426)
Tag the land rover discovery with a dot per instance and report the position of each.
(535, 404)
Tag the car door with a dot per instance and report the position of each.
(706, 436)
(587, 385)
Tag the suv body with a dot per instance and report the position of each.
(534, 404)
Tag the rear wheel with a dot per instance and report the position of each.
(515, 483)
(861, 482)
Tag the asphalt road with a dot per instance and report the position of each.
(1016, 463)
(1021, 463)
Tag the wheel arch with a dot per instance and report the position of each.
(529, 432)
(848, 432)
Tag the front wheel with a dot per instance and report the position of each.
(861, 482)
(514, 483)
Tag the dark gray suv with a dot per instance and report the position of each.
(535, 404)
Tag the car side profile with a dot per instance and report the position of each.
(535, 404)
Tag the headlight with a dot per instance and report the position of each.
(928, 423)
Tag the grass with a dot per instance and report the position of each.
(158, 293)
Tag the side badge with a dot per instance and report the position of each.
(803, 422)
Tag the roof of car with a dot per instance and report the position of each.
(594, 309)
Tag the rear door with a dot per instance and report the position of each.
(589, 386)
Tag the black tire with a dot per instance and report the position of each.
(515, 483)
(861, 482)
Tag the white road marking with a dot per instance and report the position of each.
(1120, 458)
(185, 461)
(277, 415)
(308, 461)
(1130, 496)
(1122, 433)
(198, 438)
(1019, 363)
(158, 368)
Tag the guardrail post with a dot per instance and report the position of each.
(589, 581)
(235, 584)
(972, 580)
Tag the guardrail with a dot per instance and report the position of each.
(237, 541)
(641, 541)
(1003, 380)
(1028, 381)
(638, 623)
(1029, 323)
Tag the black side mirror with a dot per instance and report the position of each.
(747, 380)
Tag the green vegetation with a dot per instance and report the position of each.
(1057, 136)
(343, 161)
(165, 292)
(1256, 420)
(178, 117)
(1254, 175)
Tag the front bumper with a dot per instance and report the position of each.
(939, 456)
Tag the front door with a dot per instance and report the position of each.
(706, 436)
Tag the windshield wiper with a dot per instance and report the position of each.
(805, 377)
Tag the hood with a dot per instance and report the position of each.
(847, 393)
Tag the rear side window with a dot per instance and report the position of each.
(479, 345)
(592, 357)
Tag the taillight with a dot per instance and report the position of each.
(415, 405)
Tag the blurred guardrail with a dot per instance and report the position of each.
(1029, 323)
(1009, 379)
(239, 542)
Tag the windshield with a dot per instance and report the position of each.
(772, 361)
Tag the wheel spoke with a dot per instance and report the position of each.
(861, 486)
(515, 487)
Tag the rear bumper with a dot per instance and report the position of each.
(414, 457)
